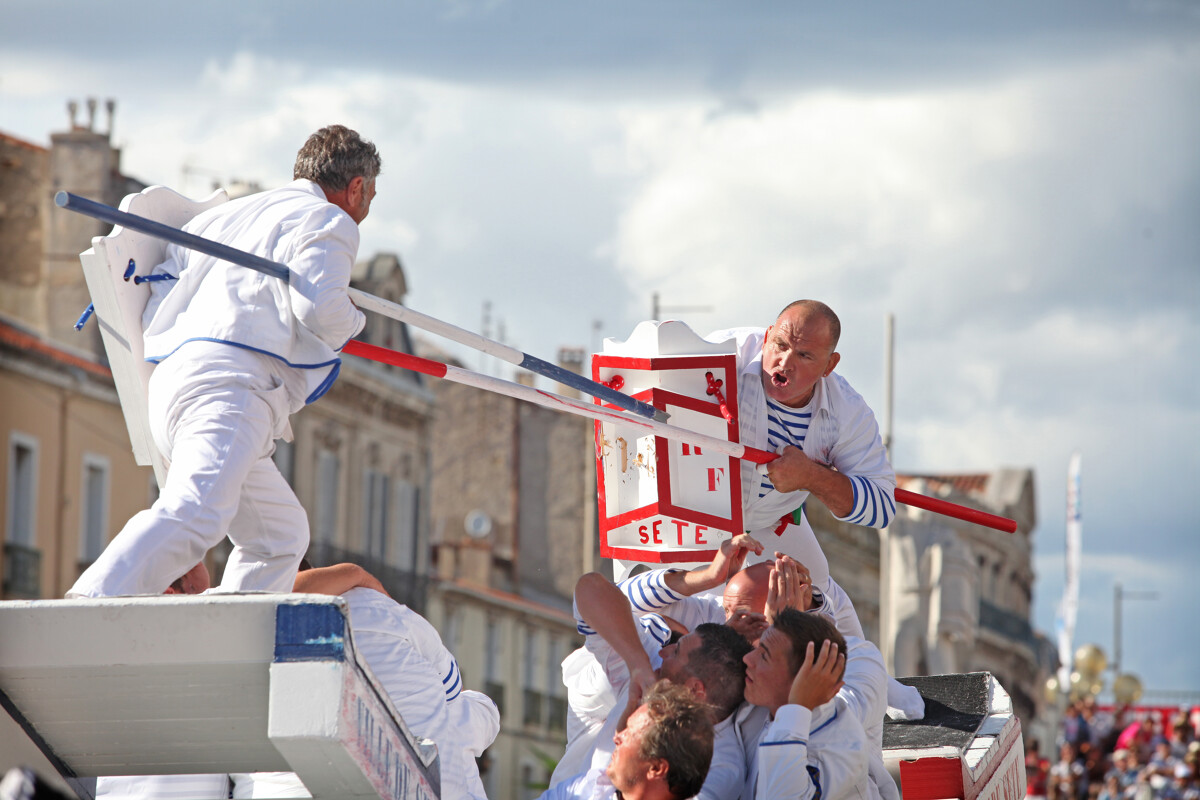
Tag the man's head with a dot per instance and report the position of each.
(708, 661)
(344, 165)
(798, 350)
(748, 589)
(665, 747)
(195, 581)
(774, 662)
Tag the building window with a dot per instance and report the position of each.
(556, 703)
(405, 526)
(329, 469)
(377, 502)
(493, 679)
(22, 490)
(22, 560)
(532, 707)
(93, 522)
(452, 635)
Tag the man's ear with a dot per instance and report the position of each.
(657, 769)
(354, 190)
(833, 362)
(696, 687)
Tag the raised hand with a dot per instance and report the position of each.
(788, 586)
(820, 676)
(748, 623)
(732, 555)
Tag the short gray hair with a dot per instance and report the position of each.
(336, 155)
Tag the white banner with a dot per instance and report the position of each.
(1068, 608)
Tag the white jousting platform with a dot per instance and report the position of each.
(208, 684)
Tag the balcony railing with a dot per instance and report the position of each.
(1007, 624)
(22, 572)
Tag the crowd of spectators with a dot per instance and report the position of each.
(1119, 754)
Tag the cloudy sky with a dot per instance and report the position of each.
(1018, 184)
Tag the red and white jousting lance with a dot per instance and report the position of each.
(107, 213)
(438, 369)
(644, 415)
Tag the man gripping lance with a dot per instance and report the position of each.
(237, 352)
(791, 401)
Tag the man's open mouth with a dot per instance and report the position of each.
(779, 379)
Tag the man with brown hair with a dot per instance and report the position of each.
(814, 745)
(238, 352)
(662, 753)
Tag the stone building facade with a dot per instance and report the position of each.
(514, 528)
(69, 478)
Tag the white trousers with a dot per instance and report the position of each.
(215, 412)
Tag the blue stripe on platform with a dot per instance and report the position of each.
(309, 632)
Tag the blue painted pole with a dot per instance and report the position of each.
(73, 202)
(106, 213)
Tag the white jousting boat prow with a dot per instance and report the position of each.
(216, 683)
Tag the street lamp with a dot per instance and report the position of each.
(1119, 596)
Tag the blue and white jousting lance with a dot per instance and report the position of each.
(396, 311)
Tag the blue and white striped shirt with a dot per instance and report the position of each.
(784, 426)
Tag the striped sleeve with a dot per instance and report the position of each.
(648, 591)
(874, 505)
(653, 626)
(452, 682)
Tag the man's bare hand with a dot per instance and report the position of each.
(640, 681)
(819, 678)
(788, 586)
(748, 623)
(792, 471)
(731, 556)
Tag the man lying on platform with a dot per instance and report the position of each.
(408, 658)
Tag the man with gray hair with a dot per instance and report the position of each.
(237, 353)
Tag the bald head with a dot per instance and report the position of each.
(748, 589)
(804, 310)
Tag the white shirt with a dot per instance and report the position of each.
(843, 434)
(302, 324)
(421, 676)
(591, 785)
(804, 755)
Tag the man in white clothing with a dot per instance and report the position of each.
(237, 352)
(662, 753)
(814, 745)
(406, 655)
(706, 661)
(419, 674)
(792, 402)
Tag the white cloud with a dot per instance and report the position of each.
(1033, 232)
